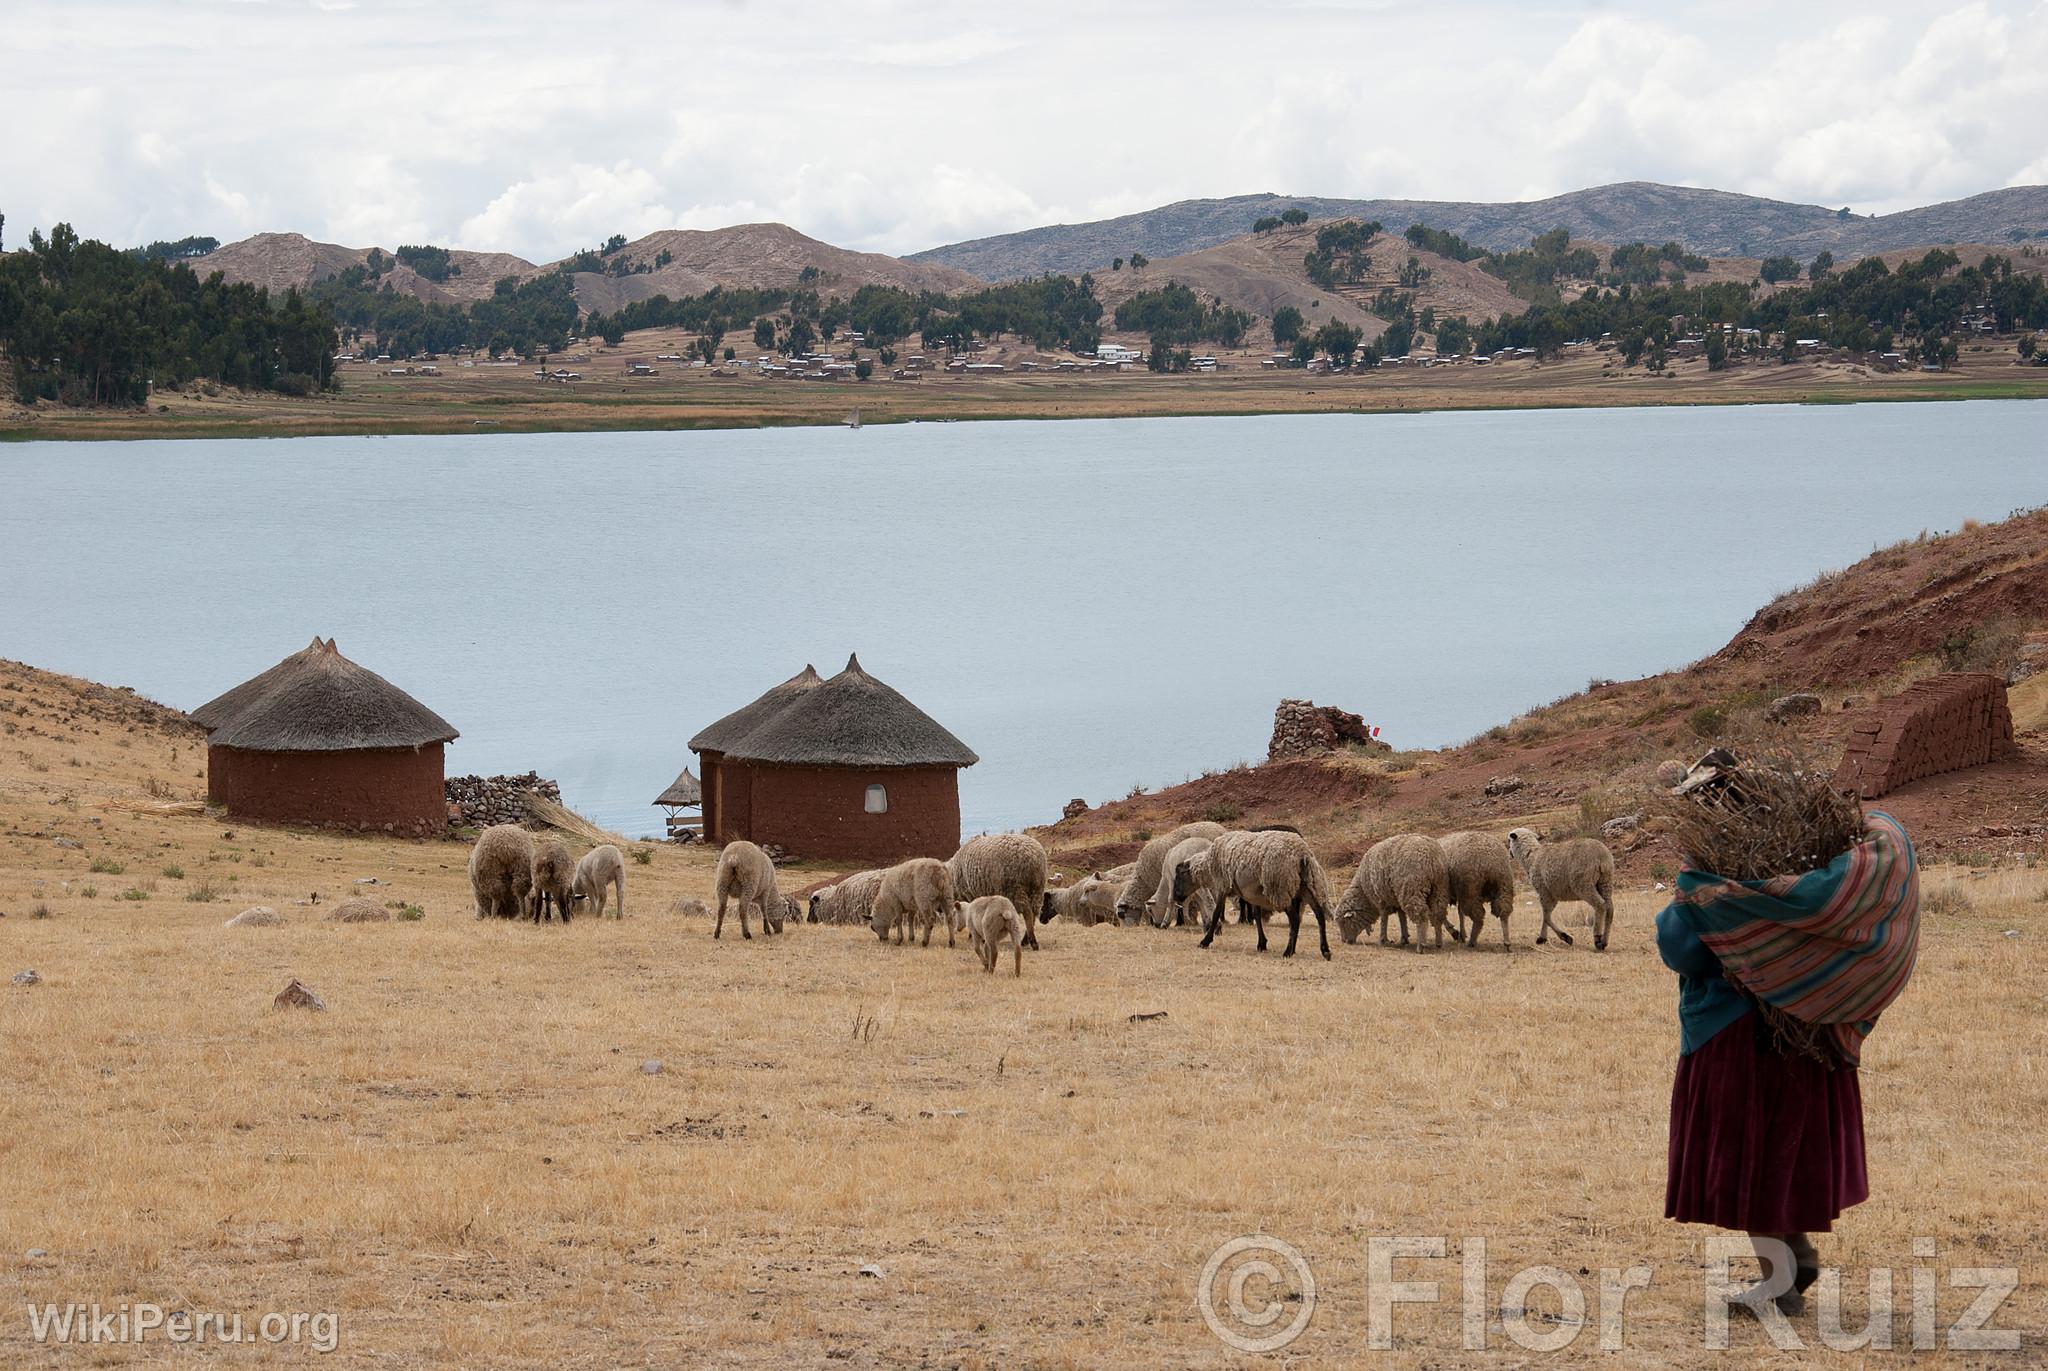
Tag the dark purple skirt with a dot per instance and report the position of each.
(1763, 1141)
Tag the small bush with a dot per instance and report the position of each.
(1946, 899)
(410, 913)
(203, 893)
(1707, 721)
(41, 911)
(643, 855)
(1223, 812)
(90, 892)
(174, 873)
(134, 892)
(1992, 645)
(106, 866)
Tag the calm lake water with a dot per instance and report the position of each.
(1090, 605)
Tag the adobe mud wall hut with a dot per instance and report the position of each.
(319, 740)
(845, 769)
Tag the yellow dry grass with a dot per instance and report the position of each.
(463, 1158)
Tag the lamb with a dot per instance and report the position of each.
(849, 901)
(1007, 864)
(913, 894)
(554, 871)
(1162, 908)
(1087, 902)
(1580, 869)
(988, 920)
(1144, 879)
(501, 871)
(1481, 875)
(1403, 876)
(601, 867)
(1267, 872)
(746, 876)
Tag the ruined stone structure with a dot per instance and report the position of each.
(1301, 728)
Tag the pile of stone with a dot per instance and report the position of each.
(480, 801)
(1301, 728)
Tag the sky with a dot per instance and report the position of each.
(893, 126)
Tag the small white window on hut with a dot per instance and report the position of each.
(878, 800)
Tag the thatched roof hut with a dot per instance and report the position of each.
(846, 768)
(319, 740)
(684, 790)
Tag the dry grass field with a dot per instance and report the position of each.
(464, 1160)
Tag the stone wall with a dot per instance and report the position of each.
(1301, 728)
(480, 801)
(1944, 723)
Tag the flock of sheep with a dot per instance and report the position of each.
(994, 885)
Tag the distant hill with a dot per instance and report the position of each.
(746, 255)
(1712, 222)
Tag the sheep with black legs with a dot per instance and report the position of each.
(501, 871)
(1197, 889)
(603, 869)
(1008, 864)
(1578, 869)
(913, 896)
(1144, 878)
(1271, 872)
(1482, 877)
(1162, 909)
(1400, 877)
(554, 875)
(746, 876)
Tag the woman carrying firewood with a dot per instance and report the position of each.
(1795, 924)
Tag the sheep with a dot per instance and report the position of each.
(1087, 902)
(1007, 864)
(1268, 872)
(1403, 876)
(501, 871)
(1162, 908)
(1196, 886)
(554, 870)
(1481, 875)
(1580, 869)
(1117, 875)
(988, 920)
(848, 901)
(913, 894)
(1144, 879)
(601, 867)
(746, 876)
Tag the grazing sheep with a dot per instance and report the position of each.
(1269, 872)
(1197, 888)
(601, 867)
(1403, 876)
(1144, 878)
(1162, 908)
(913, 895)
(746, 876)
(554, 872)
(1087, 902)
(849, 901)
(1007, 864)
(988, 920)
(1117, 875)
(1482, 875)
(501, 871)
(1580, 869)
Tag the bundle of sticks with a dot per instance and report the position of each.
(1766, 815)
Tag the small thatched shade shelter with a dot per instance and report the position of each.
(846, 769)
(683, 796)
(329, 743)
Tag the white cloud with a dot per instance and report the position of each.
(893, 125)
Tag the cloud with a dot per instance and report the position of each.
(888, 125)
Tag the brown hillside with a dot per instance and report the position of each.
(278, 261)
(1976, 599)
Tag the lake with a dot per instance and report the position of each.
(1089, 605)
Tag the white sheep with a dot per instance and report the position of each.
(501, 871)
(849, 900)
(988, 921)
(1482, 876)
(1197, 889)
(1400, 877)
(1270, 871)
(1162, 908)
(746, 875)
(554, 872)
(602, 867)
(913, 895)
(1578, 869)
(1012, 865)
(1087, 902)
(1144, 877)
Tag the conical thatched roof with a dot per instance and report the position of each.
(738, 724)
(322, 702)
(851, 720)
(221, 708)
(685, 791)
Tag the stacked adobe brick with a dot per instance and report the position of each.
(1944, 723)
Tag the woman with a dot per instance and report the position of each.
(1779, 982)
